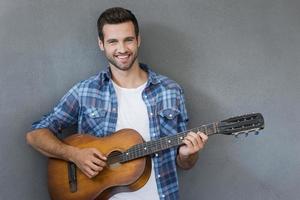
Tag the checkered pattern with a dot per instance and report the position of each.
(92, 105)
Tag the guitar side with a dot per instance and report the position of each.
(127, 176)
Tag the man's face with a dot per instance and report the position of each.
(120, 45)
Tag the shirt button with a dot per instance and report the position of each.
(151, 114)
(114, 109)
(163, 196)
(145, 96)
(170, 115)
(156, 154)
(158, 176)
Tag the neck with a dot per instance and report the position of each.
(150, 147)
(131, 78)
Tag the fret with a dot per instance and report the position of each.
(216, 125)
(212, 129)
(134, 151)
(208, 129)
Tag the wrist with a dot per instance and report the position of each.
(183, 157)
(186, 161)
(70, 153)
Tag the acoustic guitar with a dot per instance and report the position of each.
(128, 159)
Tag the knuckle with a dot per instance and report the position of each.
(86, 163)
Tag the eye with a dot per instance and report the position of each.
(112, 42)
(130, 39)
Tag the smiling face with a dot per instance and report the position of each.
(120, 45)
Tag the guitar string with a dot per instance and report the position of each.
(151, 147)
(164, 143)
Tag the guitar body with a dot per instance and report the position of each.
(120, 177)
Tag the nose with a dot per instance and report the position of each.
(122, 47)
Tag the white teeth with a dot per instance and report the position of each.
(122, 57)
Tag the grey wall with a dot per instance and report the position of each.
(231, 57)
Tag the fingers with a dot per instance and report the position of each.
(195, 141)
(97, 167)
(99, 154)
(98, 159)
(98, 162)
(192, 140)
(90, 161)
(204, 137)
(90, 173)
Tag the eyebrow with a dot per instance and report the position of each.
(111, 40)
(130, 38)
(115, 40)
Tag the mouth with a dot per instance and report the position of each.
(123, 58)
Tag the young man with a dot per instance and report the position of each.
(125, 95)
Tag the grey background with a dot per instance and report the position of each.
(230, 56)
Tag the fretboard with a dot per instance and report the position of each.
(151, 147)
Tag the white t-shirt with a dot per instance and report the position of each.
(132, 113)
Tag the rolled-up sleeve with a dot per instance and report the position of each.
(64, 114)
(183, 116)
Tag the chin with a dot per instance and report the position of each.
(123, 68)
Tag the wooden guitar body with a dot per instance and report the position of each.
(115, 178)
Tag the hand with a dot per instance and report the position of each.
(193, 143)
(90, 161)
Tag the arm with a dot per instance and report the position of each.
(49, 145)
(89, 160)
(187, 154)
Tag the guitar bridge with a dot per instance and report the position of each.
(72, 177)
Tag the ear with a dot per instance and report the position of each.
(139, 40)
(101, 45)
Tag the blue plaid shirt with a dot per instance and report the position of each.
(92, 105)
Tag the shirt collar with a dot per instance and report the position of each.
(105, 75)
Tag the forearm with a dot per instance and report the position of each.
(186, 162)
(45, 142)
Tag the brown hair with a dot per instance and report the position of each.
(116, 15)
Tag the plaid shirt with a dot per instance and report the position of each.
(92, 106)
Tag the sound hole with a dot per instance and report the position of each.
(114, 159)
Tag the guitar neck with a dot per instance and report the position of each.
(150, 147)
